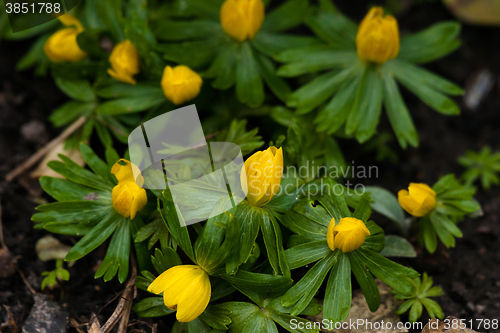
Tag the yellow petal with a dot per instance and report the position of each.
(348, 235)
(180, 84)
(125, 171)
(195, 299)
(124, 60)
(418, 200)
(62, 46)
(330, 239)
(242, 19)
(377, 39)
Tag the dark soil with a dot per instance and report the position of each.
(469, 273)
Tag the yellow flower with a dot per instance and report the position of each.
(62, 45)
(124, 61)
(128, 196)
(180, 84)
(242, 19)
(348, 235)
(186, 289)
(418, 200)
(261, 175)
(378, 37)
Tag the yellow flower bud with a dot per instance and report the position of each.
(261, 175)
(186, 289)
(180, 84)
(418, 200)
(62, 45)
(348, 235)
(378, 37)
(242, 19)
(128, 196)
(124, 61)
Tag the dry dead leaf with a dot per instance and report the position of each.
(50, 248)
(360, 310)
(43, 170)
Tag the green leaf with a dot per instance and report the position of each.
(175, 223)
(305, 254)
(69, 112)
(110, 12)
(96, 164)
(426, 234)
(273, 241)
(93, 239)
(289, 15)
(334, 28)
(277, 85)
(318, 90)
(117, 255)
(388, 271)
(165, 259)
(316, 61)
(257, 282)
(386, 203)
(184, 30)
(130, 105)
(430, 96)
(271, 44)
(398, 114)
(430, 44)
(421, 76)
(223, 67)
(396, 246)
(65, 190)
(365, 280)
(152, 307)
(34, 55)
(364, 122)
(301, 294)
(338, 294)
(249, 86)
(331, 117)
(77, 174)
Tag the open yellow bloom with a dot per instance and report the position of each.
(128, 196)
(378, 37)
(186, 289)
(180, 84)
(242, 19)
(124, 61)
(418, 200)
(348, 235)
(261, 176)
(62, 45)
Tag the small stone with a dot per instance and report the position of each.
(46, 316)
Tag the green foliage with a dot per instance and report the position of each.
(84, 208)
(59, 274)
(202, 44)
(309, 222)
(483, 165)
(453, 202)
(348, 94)
(420, 298)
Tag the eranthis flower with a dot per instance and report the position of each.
(377, 39)
(419, 200)
(128, 196)
(62, 45)
(186, 289)
(124, 61)
(180, 84)
(348, 235)
(261, 175)
(242, 19)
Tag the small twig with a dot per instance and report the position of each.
(2, 241)
(26, 281)
(42, 152)
(122, 311)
